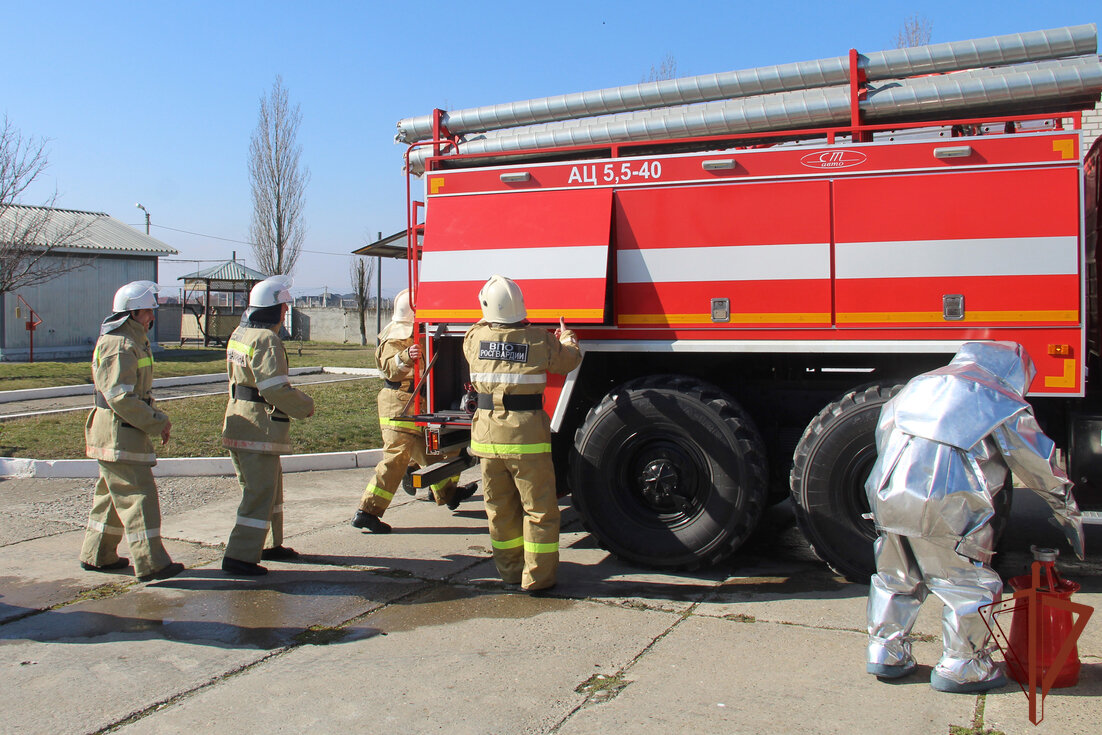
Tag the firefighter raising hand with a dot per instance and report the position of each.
(570, 338)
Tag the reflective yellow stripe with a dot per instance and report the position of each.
(568, 314)
(972, 316)
(145, 361)
(443, 483)
(376, 490)
(512, 448)
(515, 543)
(236, 346)
(541, 548)
(745, 318)
(397, 423)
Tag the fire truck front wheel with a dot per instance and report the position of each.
(669, 472)
(830, 466)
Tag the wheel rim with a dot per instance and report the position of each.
(661, 480)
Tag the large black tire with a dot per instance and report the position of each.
(669, 472)
(830, 466)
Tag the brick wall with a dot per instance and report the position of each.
(1092, 126)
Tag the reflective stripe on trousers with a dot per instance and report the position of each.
(125, 502)
(260, 477)
(523, 514)
(499, 449)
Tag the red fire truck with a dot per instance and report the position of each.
(748, 298)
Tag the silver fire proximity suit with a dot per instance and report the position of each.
(945, 444)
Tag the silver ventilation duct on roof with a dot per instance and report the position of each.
(935, 58)
(1037, 87)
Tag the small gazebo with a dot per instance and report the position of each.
(203, 320)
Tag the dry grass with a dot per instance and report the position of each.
(174, 360)
(346, 418)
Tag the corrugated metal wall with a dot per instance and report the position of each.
(71, 307)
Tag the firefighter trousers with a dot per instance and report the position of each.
(907, 569)
(125, 503)
(523, 514)
(259, 523)
(399, 449)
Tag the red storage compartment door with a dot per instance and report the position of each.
(763, 246)
(554, 244)
(1007, 241)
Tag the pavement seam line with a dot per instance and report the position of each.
(623, 670)
(176, 698)
(186, 694)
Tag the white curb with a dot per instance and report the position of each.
(188, 466)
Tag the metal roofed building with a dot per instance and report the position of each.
(72, 305)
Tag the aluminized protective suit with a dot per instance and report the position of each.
(945, 444)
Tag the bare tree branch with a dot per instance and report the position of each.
(666, 69)
(32, 236)
(278, 182)
(362, 272)
(916, 31)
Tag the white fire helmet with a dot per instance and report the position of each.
(135, 295)
(402, 310)
(400, 325)
(501, 301)
(271, 291)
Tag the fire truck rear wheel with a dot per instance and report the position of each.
(831, 463)
(669, 472)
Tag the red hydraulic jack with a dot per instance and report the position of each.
(1040, 652)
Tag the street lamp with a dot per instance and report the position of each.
(139, 206)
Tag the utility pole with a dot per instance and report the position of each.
(139, 206)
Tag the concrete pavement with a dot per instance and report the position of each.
(412, 633)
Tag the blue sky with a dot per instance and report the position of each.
(155, 102)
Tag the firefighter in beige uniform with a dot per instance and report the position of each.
(510, 431)
(257, 427)
(117, 434)
(403, 441)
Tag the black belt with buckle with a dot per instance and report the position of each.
(248, 393)
(101, 402)
(408, 385)
(513, 402)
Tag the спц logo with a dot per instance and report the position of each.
(833, 159)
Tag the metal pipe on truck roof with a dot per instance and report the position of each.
(935, 58)
(1031, 88)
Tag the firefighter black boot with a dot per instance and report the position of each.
(462, 493)
(372, 523)
(237, 567)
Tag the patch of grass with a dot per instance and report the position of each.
(741, 618)
(175, 360)
(345, 418)
(976, 728)
(601, 688)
